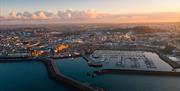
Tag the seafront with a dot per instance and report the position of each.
(57, 75)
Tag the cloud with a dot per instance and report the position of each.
(64, 15)
(90, 16)
(13, 14)
(28, 15)
(74, 15)
(43, 15)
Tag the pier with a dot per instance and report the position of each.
(90, 62)
(55, 73)
(15, 59)
(136, 72)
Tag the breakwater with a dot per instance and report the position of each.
(73, 56)
(54, 73)
(15, 59)
(142, 72)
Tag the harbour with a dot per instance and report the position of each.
(92, 69)
(79, 70)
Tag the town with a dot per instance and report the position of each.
(70, 40)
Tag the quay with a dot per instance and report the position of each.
(15, 59)
(136, 72)
(90, 62)
(73, 56)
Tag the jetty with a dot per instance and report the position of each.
(55, 73)
(136, 72)
(15, 59)
(90, 62)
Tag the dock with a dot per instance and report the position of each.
(136, 72)
(90, 62)
(55, 73)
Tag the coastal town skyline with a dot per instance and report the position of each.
(90, 45)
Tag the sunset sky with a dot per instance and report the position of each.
(91, 10)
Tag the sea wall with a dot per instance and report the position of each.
(136, 72)
(55, 74)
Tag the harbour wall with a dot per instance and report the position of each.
(55, 73)
(136, 72)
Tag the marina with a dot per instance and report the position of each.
(78, 69)
(135, 60)
(93, 69)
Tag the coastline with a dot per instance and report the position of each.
(56, 75)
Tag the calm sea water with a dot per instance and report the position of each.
(78, 70)
(27, 76)
(33, 76)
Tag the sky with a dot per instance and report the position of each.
(108, 10)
